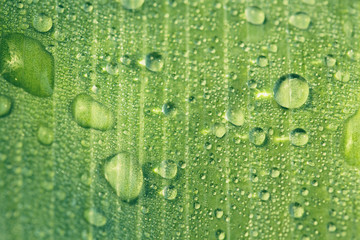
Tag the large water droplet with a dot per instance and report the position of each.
(42, 23)
(351, 140)
(125, 176)
(25, 63)
(5, 105)
(154, 62)
(167, 169)
(291, 91)
(235, 116)
(132, 4)
(45, 135)
(89, 113)
(254, 15)
(94, 217)
(296, 210)
(257, 136)
(299, 137)
(300, 20)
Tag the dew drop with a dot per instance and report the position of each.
(351, 140)
(168, 108)
(132, 4)
(169, 192)
(254, 15)
(219, 130)
(42, 23)
(220, 234)
(154, 62)
(264, 195)
(300, 20)
(125, 176)
(331, 227)
(274, 172)
(291, 91)
(45, 135)
(299, 137)
(257, 136)
(296, 210)
(94, 217)
(235, 116)
(330, 60)
(262, 61)
(219, 213)
(342, 76)
(25, 63)
(5, 105)
(167, 169)
(112, 68)
(89, 113)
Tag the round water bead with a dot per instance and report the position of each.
(299, 137)
(5, 105)
(132, 4)
(300, 20)
(257, 136)
(154, 62)
(42, 23)
(167, 169)
(254, 15)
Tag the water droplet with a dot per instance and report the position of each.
(262, 61)
(42, 23)
(235, 116)
(167, 169)
(219, 213)
(300, 20)
(304, 192)
(274, 172)
(94, 217)
(169, 192)
(296, 210)
(112, 68)
(219, 130)
(126, 60)
(342, 76)
(310, 2)
(5, 105)
(125, 176)
(220, 234)
(25, 63)
(330, 60)
(132, 4)
(45, 135)
(351, 140)
(154, 62)
(331, 227)
(264, 195)
(254, 15)
(89, 113)
(299, 137)
(88, 7)
(257, 136)
(291, 91)
(252, 84)
(168, 108)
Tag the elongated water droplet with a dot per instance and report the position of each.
(89, 113)
(94, 217)
(5, 105)
(125, 176)
(25, 63)
(351, 140)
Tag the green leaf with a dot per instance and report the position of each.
(192, 92)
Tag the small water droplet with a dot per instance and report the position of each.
(219, 130)
(262, 61)
(94, 217)
(331, 227)
(296, 210)
(220, 234)
(342, 76)
(300, 20)
(88, 7)
(112, 68)
(45, 135)
(154, 62)
(167, 169)
(264, 195)
(254, 15)
(169, 192)
(351, 140)
(132, 4)
(5, 105)
(168, 108)
(299, 137)
(257, 136)
(235, 116)
(274, 172)
(291, 91)
(42, 23)
(330, 60)
(219, 213)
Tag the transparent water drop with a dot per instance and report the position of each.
(262, 61)
(89, 113)
(219, 213)
(330, 60)
(45, 135)
(235, 116)
(112, 68)
(220, 234)
(296, 210)
(125, 176)
(257, 136)
(291, 91)
(299, 137)
(126, 60)
(88, 7)
(342, 76)
(264, 195)
(167, 169)
(252, 84)
(274, 172)
(132, 4)
(300, 20)
(168, 108)
(331, 227)
(351, 140)
(154, 62)
(219, 130)
(310, 2)
(255, 15)
(169, 192)
(5, 105)
(42, 23)
(94, 217)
